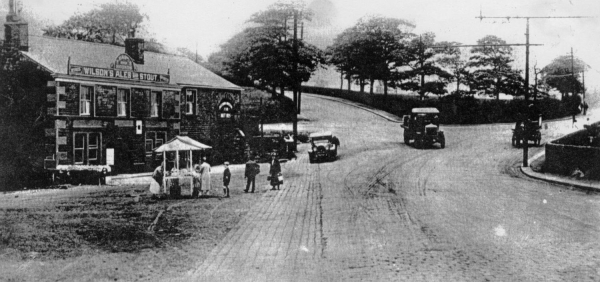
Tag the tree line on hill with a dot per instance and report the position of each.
(385, 50)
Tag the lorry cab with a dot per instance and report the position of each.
(422, 126)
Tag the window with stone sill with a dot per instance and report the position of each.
(189, 101)
(122, 102)
(154, 104)
(85, 100)
(87, 148)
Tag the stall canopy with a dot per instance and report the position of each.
(181, 143)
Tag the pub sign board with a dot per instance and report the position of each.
(118, 74)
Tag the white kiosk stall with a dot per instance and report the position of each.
(179, 180)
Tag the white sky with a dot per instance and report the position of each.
(209, 23)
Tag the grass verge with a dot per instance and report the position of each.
(41, 232)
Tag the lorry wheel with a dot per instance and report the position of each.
(443, 143)
(406, 140)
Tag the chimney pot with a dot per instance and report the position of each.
(134, 47)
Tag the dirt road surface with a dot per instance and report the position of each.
(385, 211)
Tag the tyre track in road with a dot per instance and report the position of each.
(394, 213)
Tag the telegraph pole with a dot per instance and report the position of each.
(572, 73)
(481, 17)
(583, 82)
(294, 76)
(535, 90)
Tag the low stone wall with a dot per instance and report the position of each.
(569, 152)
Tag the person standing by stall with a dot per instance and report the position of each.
(205, 175)
(252, 169)
(275, 171)
(157, 175)
(197, 181)
(226, 179)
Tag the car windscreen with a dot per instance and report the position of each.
(427, 119)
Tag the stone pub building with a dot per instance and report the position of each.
(111, 106)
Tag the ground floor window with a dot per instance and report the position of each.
(87, 148)
(154, 139)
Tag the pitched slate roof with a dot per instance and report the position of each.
(53, 54)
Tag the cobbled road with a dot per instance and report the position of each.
(385, 211)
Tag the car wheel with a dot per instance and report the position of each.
(443, 143)
(419, 144)
(518, 142)
(406, 140)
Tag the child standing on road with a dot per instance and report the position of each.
(226, 179)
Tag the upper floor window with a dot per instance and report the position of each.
(154, 104)
(189, 101)
(85, 100)
(122, 102)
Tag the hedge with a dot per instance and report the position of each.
(453, 109)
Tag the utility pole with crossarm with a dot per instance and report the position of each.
(481, 17)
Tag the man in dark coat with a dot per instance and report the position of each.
(335, 141)
(226, 179)
(252, 169)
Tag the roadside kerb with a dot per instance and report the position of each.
(585, 185)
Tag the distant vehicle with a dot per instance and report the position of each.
(423, 126)
(531, 128)
(324, 146)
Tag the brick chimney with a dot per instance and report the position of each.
(134, 47)
(16, 30)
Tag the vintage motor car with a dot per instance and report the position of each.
(531, 128)
(324, 146)
(423, 126)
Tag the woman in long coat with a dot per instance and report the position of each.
(274, 172)
(205, 176)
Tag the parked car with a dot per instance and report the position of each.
(531, 128)
(324, 146)
(423, 127)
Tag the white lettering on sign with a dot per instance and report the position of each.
(119, 74)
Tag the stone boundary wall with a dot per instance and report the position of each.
(563, 158)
